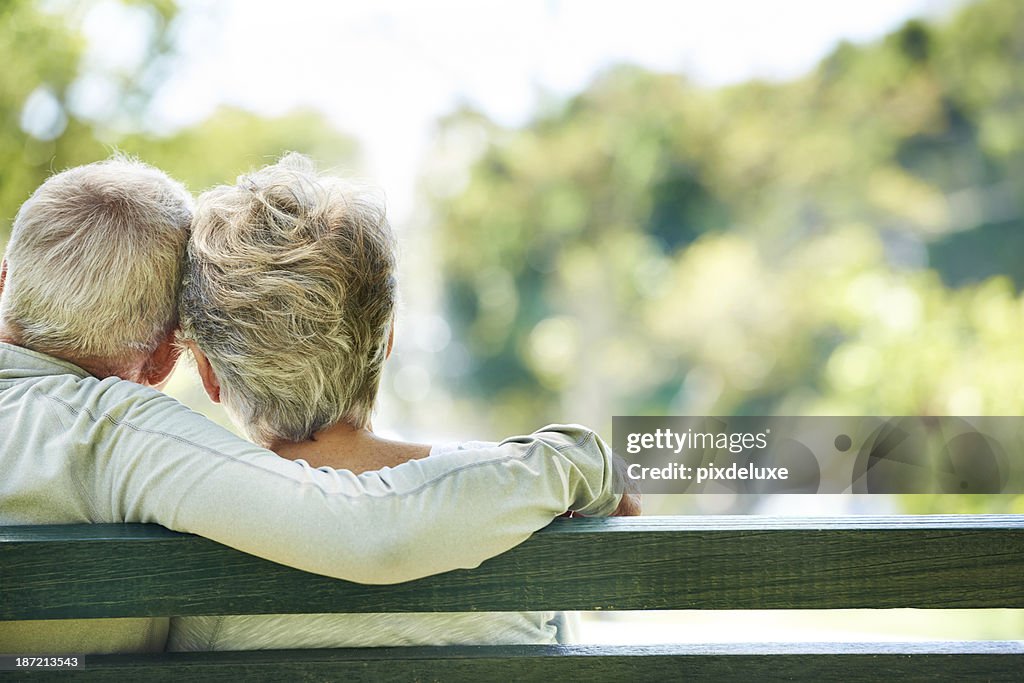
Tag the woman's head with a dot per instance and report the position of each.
(289, 290)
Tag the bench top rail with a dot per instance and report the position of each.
(720, 562)
(968, 661)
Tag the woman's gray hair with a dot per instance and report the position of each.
(289, 289)
(94, 262)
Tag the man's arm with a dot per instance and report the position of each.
(171, 466)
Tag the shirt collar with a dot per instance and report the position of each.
(17, 361)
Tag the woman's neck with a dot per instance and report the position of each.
(344, 447)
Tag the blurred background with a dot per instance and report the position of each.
(645, 208)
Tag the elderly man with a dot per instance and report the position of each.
(87, 318)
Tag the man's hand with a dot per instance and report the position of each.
(630, 504)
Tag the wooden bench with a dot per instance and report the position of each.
(648, 563)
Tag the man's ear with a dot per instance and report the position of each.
(3, 276)
(161, 362)
(210, 381)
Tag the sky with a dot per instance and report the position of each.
(385, 71)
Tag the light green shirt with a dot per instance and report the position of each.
(74, 449)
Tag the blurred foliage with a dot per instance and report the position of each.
(231, 141)
(846, 243)
(61, 106)
(40, 53)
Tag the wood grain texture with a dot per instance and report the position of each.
(990, 661)
(940, 561)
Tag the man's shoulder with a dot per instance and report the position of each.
(92, 399)
(29, 376)
(79, 408)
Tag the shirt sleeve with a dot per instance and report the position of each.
(158, 462)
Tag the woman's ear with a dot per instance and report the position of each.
(391, 339)
(161, 362)
(210, 381)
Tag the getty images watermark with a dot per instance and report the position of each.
(822, 454)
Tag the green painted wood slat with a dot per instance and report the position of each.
(941, 561)
(848, 662)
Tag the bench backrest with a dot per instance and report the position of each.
(942, 561)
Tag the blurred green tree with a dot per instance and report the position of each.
(231, 141)
(41, 52)
(844, 243)
(60, 108)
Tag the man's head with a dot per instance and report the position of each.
(289, 294)
(93, 266)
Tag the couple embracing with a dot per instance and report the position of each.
(283, 289)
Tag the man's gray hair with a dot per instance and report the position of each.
(94, 262)
(290, 292)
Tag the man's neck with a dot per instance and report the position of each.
(95, 367)
(8, 337)
(343, 447)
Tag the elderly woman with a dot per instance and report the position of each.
(288, 306)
